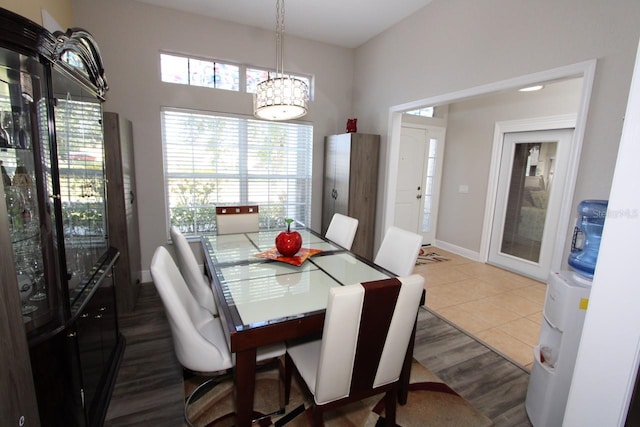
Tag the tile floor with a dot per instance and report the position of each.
(500, 308)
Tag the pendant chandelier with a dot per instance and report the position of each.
(280, 97)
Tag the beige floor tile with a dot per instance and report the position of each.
(508, 345)
(536, 317)
(534, 293)
(523, 329)
(514, 303)
(463, 319)
(435, 276)
(491, 313)
(446, 295)
(527, 281)
(478, 288)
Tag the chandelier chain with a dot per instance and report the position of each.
(279, 38)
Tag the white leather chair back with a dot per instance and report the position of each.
(342, 230)
(365, 340)
(237, 219)
(192, 274)
(399, 251)
(198, 338)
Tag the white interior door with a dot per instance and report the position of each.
(531, 181)
(418, 183)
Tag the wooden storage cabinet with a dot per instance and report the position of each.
(122, 210)
(57, 307)
(351, 184)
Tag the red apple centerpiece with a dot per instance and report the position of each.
(288, 242)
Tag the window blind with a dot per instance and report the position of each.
(213, 160)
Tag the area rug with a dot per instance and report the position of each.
(427, 255)
(430, 403)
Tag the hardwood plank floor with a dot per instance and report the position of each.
(493, 384)
(149, 389)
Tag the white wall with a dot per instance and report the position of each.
(608, 356)
(131, 34)
(454, 45)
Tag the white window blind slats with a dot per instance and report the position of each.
(214, 160)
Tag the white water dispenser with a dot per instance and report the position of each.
(566, 301)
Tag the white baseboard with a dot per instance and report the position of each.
(472, 255)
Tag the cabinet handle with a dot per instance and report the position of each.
(131, 197)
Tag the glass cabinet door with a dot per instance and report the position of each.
(23, 134)
(80, 165)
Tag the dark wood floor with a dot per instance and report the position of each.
(149, 388)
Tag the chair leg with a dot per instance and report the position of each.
(281, 385)
(288, 363)
(316, 416)
(390, 407)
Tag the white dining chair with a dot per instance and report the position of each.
(237, 219)
(198, 338)
(366, 335)
(399, 251)
(342, 230)
(197, 282)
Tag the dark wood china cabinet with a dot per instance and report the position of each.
(61, 346)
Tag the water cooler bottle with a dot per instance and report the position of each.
(565, 306)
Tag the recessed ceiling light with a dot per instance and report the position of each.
(531, 88)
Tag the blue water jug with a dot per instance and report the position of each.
(586, 236)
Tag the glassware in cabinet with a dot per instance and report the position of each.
(23, 134)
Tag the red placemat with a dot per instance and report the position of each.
(297, 260)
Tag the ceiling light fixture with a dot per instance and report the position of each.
(281, 97)
(531, 88)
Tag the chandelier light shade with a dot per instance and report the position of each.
(280, 97)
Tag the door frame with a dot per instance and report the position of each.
(387, 180)
(560, 122)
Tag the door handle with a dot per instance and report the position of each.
(419, 196)
(131, 197)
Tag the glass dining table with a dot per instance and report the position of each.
(263, 299)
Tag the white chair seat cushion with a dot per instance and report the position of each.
(306, 356)
(270, 351)
(211, 330)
